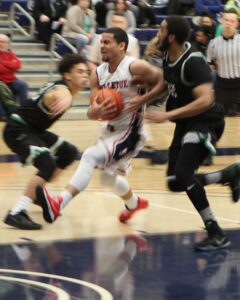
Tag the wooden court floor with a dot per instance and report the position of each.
(93, 213)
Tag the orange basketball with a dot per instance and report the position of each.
(115, 97)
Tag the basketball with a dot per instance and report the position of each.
(115, 97)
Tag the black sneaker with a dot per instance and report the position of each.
(21, 221)
(232, 173)
(215, 240)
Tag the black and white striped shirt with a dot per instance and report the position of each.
(225, 54)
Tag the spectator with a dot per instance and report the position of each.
(122, 6)
(80, 25)
(214, 6)
(7, 103)
(118, 19)
(152, 52)
(223, 54)
(204, 19)
(101, 10)
(203, 35)
(9, 64)
(181, 7)
(233, 4)
(49, 16)
(146, 16)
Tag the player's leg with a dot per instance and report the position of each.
(32, 150)
(120, 186)
(17, 216)
(229, 176)
(52, 205)
(188, 160)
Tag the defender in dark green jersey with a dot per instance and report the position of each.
(26, 134)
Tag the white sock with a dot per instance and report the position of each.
(207, 214)
(66, 197)
(132, 202)
(23, 204)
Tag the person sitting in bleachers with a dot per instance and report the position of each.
(211, 6)
(101, 9)
(205, 19)
(8, 105)
(152, 53)
(9, 65)
(146, 15)
(181, 7)
(80, 26)
(233, 4)
(50, 17)
(203, 35)
(122, 6)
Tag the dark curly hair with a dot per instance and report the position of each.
(68, 61)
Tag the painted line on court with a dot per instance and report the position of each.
(174, 208)
(105, 295)
(61, 294)
(191, 212)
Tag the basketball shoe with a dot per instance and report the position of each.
(215, 240)
(21, 220)
(127, 213)
(50, 204)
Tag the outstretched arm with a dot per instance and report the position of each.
(148, 76)
(204, 98)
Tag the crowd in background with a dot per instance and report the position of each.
(79, 21)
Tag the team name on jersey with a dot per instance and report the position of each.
(121, 84)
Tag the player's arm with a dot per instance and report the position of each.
(151, 78)
(58, 100)
(198, 75)
(105, 110)
(204, 98)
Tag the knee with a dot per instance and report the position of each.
(179, 181)
(107, 179)
(46, 165)
(66, 154)
(89, 155)
(183, 178)
(23, 84)
(172, 184)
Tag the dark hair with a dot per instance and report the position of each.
(206, 14)
(68, 61)
(231, 10)
(178, 26)
(124, 2)
(119, 34)
(207, 30)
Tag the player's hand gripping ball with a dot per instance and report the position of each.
(114, 96)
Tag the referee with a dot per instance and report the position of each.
(223, 54)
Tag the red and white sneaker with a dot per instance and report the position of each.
(126, 214)
(50, 204)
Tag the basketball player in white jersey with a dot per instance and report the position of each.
(122, 137)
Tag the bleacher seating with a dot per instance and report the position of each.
(6, 4)
(143, 35)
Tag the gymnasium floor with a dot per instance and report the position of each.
(87, 254)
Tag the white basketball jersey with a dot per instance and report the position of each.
(120, 80)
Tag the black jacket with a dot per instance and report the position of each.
(54, 12)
